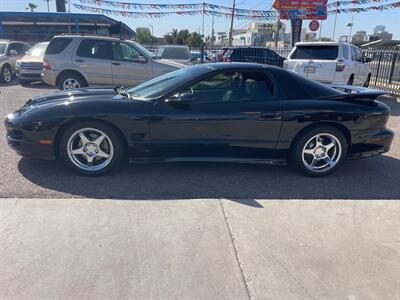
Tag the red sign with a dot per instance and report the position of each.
(314, 25)
(301, 9)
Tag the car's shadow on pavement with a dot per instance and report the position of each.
(374, 178)
(393, 103)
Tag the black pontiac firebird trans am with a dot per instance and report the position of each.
(227, 112)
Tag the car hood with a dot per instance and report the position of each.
(98, 94)
(29, 58)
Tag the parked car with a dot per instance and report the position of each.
(10, 52)
(176, 53)
(196, 57)
(29, 67)
(236, 112)
(74, 61)
(253, 54)
(330, 62)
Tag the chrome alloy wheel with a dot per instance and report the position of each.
(71, 83)
(90, 149)
(321, 152)
(7, 75)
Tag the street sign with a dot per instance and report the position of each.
(314, 25)
(301, 9)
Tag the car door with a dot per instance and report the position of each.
(20, 48)
(232, 114)
(356, 58)
(93, 59)
(129, 66)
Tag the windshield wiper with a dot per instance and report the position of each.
(121, 91)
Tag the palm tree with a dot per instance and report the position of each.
(31, 7)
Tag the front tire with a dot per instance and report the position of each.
(6, 75)
(91, 148)
(319, 151)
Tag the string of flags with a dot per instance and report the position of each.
(353, 2)
(214, 10)
(365, 9)
(158, 14)
(190, 6)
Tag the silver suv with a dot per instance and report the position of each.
(74, 61)
(10, 52)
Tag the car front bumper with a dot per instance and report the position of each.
(370, 143)
(28, 141)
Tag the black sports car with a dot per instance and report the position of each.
(223, 112)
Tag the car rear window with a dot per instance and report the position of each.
(57, 45)
(316, 52)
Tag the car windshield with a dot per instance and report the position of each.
(38, 50)
(163, 84)
(316, 52)
(142, 49)
(3, 47)
(173, 52)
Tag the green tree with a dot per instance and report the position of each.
(31, 7)
(171, 37)
(144, 36)
(194, 40)
(325, 39)
(182, 37)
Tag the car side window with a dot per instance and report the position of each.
(125, 52)
(359, 55)
(353, 54)
(95, 49)
(234, 87)
(345, 52)
(17, 47)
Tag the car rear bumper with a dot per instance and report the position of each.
(366, 144)
(29, 142)
(49, 77)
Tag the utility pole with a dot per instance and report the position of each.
(232, 17)
(212, 32)
(202, 28)
(334, 26)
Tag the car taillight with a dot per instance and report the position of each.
(340, 66)
(46, 65)
(285, 64)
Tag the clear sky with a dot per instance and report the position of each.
(362, 21)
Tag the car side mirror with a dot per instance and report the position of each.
(13, 52)
(142, 59)
(367, 59)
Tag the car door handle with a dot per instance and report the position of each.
(116, 64)
(270, 115)
(79, 60)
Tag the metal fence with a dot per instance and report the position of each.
(385, 67)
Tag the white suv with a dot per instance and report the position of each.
(330, 62)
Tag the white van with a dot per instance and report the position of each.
(330, 62)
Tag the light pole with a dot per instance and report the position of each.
(231, 29)
(151, 26)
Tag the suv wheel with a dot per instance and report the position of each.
(70, 81)
(319, 151)
(6, 74)
(91, 148)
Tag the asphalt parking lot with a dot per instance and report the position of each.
(198, 230)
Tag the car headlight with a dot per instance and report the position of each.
(18, 63)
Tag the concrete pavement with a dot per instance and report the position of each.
(199, 249)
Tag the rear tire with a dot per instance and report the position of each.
(91, 148)
(6, 75)
(319, 151)
(71, 80)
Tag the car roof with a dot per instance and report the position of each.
(79, 36)
(11, 41)
(173, 46)
(319, 43)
